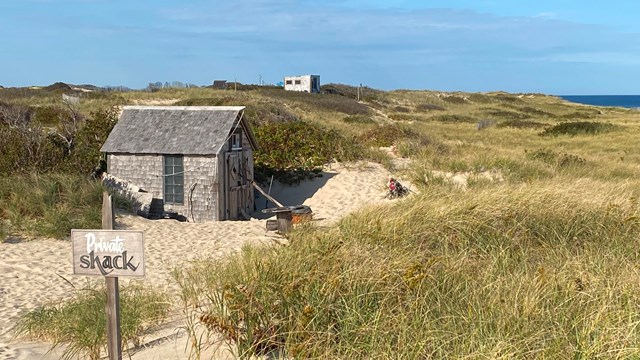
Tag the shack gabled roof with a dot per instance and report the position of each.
(188, 130)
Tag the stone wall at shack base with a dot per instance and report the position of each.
(200, 186)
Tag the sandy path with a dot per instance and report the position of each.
(31, 273)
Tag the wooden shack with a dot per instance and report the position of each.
(197, 161)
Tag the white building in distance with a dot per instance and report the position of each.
(304, 83)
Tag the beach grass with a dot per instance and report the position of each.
(538, 258)
(534, 255)
(495, 272)
(78, 325)
(50, 205)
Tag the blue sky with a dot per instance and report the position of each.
(554, 47)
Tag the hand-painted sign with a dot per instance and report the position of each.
(108, 252)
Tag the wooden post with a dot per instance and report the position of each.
(284, 219)
(114, 340)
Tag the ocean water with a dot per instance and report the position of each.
(627, 101)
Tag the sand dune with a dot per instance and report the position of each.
(39, 271)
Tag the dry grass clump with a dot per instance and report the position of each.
(491, 274)
(79, 324)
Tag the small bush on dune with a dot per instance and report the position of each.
(323, 102)
(579, 128)
(521, 124)
(50, 115)
(479, 98)
(429, 107)
(358, 119)
(533, 111)
(387, 135)
(454, 118)
(294, 151)
(556, 159)
(581, 114)
(453, 99)
(79, 324)
(268, 113)
(512, 115)
(366, 93)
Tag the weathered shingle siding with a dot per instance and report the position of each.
(200, 173)
(143, 170)
(146, 172)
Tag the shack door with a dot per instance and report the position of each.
(239, 175)
(234, 184)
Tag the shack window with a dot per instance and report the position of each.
(289, 82)
(173, 179)
(236, 141)
(298, 82)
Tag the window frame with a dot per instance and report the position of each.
(235, 142)
(173, 179)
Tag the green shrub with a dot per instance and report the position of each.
(322, 102)
(79, 324)
(454, 118)
(533, 111)
(554, 158)
(479, 98)
(512, 115)
(296, 150)
(579, 128)
(581, 114)
(521, 124)
(50, 115)
(366, 93)
(429, 107)
(29, 149)
(508, 98)
(387, 135)
(454, 99)
(358, 119)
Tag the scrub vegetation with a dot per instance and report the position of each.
(536, 255)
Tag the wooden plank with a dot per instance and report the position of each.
(112, 307)
(265, 194)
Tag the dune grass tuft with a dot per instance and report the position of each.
(78, 325)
